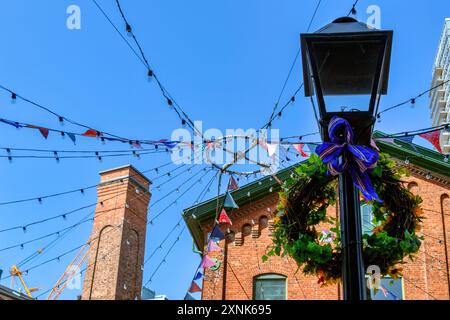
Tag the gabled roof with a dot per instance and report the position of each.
(418, 156)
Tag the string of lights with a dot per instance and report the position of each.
(166, 255)
(173, 105)
(59, 232)
(181, 195)
(353, 10)
(57, 258)
(199, 198)
(412, 101)
(417, 132)
(83, 189)
(278, 114)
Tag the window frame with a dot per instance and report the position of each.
(267, 277)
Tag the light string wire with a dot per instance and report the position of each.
(201, 196)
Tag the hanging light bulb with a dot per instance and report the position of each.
(24, 229)
(446, 158)
(13, 98)
(378, 118)
(10, 159)
(61, 120)
(293, 100)
(271, 189)
(40, 200)
(170, 103)
(56, 156)
(413, 102)
(248, 194)
(183, 123)
(150, 75)
(279, 115)
(428, 176)
(407, 161)
(158, 188)
(129, 30)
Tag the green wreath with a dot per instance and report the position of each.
(303, 207)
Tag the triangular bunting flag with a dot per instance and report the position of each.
(91, 133)
(217, 234)
(312, 147)
(407, 139)
(223, 217)
(194, 288)
(272, 149)
(433, 138)
(229, 202)
(137, 145)
(207, 262)
(198, 276)
(299, 148)
(170, 144)
(232, 185)
(212, 247)
(44, 132)
(188, 297)
(72, 137)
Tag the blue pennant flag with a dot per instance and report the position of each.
(312, 147)
(216, 234)
(198, 276)
(229, 202)
(12, 123)
(188, 297)
(72, 137)
(408, 139)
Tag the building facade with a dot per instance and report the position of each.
(241, 274)
(440, 99)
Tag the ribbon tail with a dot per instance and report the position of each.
(363, 183)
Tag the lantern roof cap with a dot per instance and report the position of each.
(345, 25)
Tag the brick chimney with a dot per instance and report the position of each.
(116, 253)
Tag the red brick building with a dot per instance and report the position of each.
(242, 275)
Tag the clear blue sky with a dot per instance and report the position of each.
(223, 61)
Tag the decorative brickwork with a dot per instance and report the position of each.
(116, 254)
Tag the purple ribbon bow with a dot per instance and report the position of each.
(341, 155)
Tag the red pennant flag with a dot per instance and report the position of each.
(299, 148)
(433, 138)
(43, 131)
(91, 133)
(194, 288)
(223, 218)
(232, 184)
(137, 145)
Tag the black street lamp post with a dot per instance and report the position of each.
(346, 66)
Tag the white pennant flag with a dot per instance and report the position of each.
(271, 149)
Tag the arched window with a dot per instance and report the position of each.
(269, 287)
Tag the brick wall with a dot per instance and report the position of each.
(249, 236)
(118, 237)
